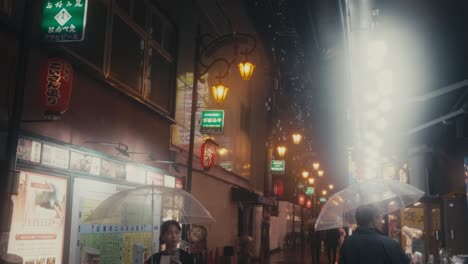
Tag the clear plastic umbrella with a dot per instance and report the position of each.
(387, 195)
(141, 205)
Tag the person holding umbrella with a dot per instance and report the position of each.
(368, 244)
(170, 237)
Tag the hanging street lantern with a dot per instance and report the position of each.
(301, 199)
(305, 174)
(331, 186)
(320, 173)
(316, 165)
(246, 70)
(324, 192)
(219, 92)
(56, 87)
(309, 203)
(311, 181)
(281, 151)
(208, 154)
(297, 138)
(278, 188)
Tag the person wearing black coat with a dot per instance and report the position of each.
(368, 245)
(332, 238)
(316, 244)
(170, 236)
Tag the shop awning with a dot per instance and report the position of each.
(249, 197)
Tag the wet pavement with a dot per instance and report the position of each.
(296, 256)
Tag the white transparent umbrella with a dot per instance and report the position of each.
(141, 205)
(386, 195)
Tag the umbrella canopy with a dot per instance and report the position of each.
(142, 205)
(387, 195)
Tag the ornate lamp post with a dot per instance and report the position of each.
(203, 52)
(205, 46)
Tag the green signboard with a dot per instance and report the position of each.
(64, 20)
(310, 191)
(323, 199)
(212, 122)
(277, 166)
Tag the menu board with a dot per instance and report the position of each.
(85, 163)
(56, 157)
(29, 150)
(38, 221)
(413, 218)
(111, 240)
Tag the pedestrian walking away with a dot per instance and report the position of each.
(332, 238)
(368, 245)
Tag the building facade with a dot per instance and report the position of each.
(126, 125)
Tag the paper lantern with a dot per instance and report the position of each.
(278, 188)
(56, 87)
(208, 154)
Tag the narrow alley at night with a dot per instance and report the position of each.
(233, 131)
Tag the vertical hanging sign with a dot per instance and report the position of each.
(56, 87)
(64, 20)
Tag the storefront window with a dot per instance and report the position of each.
(159, 88)
(92, 48)
(127, 55)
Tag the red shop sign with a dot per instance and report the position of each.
(208, 154)
(301, 199)
(278, 188)
(56, 87)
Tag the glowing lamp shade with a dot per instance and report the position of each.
(305, 174)
(320, 173)
(301, 199)
(297, 138)
(219, 92)
(281, 151)
(324, 192)
(311, 181)
(316, 165)
(309, 204)
(331, 186)
(246, 70)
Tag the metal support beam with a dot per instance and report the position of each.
(436, 121)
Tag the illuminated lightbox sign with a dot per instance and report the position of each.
(212, 122)
(277, 166)
(64, 20)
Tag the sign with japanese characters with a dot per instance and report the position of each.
(212, 122)
(277, 166)
(64, 20)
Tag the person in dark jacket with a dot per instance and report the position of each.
(368, 245)
(332, 238)
(170, 236)
(316, 244)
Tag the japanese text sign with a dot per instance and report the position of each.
(64, 20)
(212, 122)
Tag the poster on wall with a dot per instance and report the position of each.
(38, 221)
(110, 241)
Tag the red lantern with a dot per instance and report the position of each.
(278, 188)
(301, 199)
(56, 87)
(179, 183)
(208, 154)
(309, 203)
